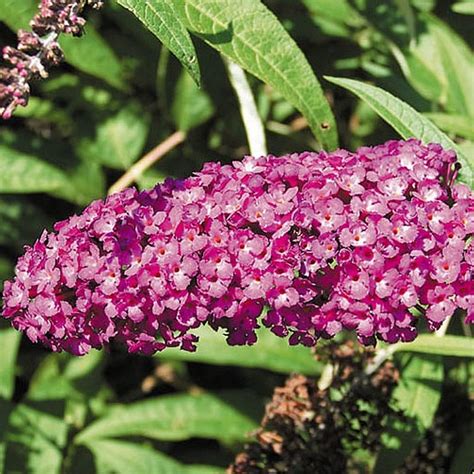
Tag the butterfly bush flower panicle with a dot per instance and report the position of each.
(322, 242)
(37, 51)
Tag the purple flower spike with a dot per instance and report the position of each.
(325, 242)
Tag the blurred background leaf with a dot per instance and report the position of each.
(177, 417)
(120, 457)
(9, 342)
(269, 352)
(418, 395)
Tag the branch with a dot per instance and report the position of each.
(248, 109)
(148, 160)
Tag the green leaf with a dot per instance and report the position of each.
(459, 125)
(270, 352)
(458, 63)
(458, 346)
(465, 8)
(35, 435)
(27, 160)
(17, 14)
(175, 418)
(231, 27)
(440, 65)
(424, 5)
(419, 389)
(24, 173)
(91, 54)
(191, 106)
(65, 376)
(418, 394)
(405, 119)
(9, 344)
(85, 182)
(119, 139)
(339, 11)
(121, 457)
(160, 18)
(44, 110)
(463, 459)
(5, 409)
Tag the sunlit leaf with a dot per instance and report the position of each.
(17, 14)
(418, 392)
(458, 346)
(440, 65)
(231, 27)
(332, 17)
(63, 375)
(458, 64)
(23, 173)
(160, 18)
(465, 7)
(91, 54)
(35, 435)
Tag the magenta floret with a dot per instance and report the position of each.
(368, 241)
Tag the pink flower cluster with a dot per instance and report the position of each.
(306, 244)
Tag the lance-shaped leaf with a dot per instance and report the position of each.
(459, 125)
(457, 346)
(176, 417)
(160, 18)
(23, 173)
(249, 34)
